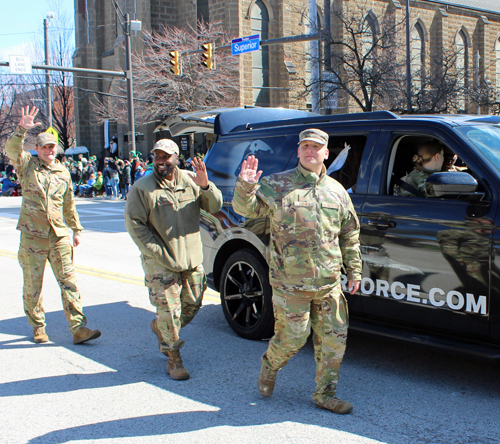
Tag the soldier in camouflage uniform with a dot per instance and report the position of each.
(429, 160)
(162, 216)
(314, 229)
(47, 204)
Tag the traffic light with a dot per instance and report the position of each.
(175, 62)
(208, 55)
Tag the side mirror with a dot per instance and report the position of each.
(453, 185)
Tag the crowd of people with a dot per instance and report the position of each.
(111, 179)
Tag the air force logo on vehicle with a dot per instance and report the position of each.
(436, 297)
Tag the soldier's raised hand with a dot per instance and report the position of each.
(249, 171)
(200, 169)
(28, 117)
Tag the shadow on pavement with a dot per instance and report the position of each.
(224, 371)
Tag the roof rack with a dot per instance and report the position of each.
(375, 115)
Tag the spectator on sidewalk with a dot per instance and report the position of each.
(114, 177)
(86, 189)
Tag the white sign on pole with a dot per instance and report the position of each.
(20, 64)
(330, 88)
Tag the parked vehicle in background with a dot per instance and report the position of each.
(431, 266)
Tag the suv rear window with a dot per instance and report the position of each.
(224, 162)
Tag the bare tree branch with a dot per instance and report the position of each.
(158, 93)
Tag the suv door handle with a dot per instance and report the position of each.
(382, 224)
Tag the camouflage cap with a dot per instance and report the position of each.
(314, 135)
(166, 145)
(45, 139)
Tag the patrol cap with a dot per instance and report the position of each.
(166, 145)
(314, 135)
(45, 139)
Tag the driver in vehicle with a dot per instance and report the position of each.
(428, 160)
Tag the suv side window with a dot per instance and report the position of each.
(405, 147)
(224, 167)
(344, 161)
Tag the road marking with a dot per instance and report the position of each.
(113, 276)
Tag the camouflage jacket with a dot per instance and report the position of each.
(416, 179)
(48, 200)
(163, 219)
(314, 228)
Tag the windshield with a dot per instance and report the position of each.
(486, 139)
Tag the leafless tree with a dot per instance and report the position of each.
(61, 42)
(10, 91)
(442, 88)
(365, 55)
(159, 93)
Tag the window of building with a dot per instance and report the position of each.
(497, 53)
(202, 10)
(417, 56)
(368, 36)
(260, 59)
(368, 33)
(461, 65)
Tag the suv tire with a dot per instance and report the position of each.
(246, 296)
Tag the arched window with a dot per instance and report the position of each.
(461, 64)
(368, 35)
(497, 54)
(309, 64)
(202, 11)
(260, 59)
(417, 56)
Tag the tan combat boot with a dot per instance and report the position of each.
(266, 381)
(156, 331)
(83, 334)
(39, 335)
(175, 368)
(335, 405)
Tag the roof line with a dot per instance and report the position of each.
(462, 6)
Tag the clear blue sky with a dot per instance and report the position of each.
(22, 21)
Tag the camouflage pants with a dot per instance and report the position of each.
(176, 296)
(295, 313)
(33, 254)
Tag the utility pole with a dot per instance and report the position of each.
(127, 28)
(313, 20)
(408, 59)
(46, 22)
(130, 86)
(328, 47)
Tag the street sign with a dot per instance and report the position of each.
(54, 133)
(245, 44)
(330, 82)
(20, 65)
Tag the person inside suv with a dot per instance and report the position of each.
(428, 160)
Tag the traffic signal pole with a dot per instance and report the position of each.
(47, 75)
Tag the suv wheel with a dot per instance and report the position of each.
(246, 295)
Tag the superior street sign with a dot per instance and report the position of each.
(245, 44)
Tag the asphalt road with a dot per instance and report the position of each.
(114, 389)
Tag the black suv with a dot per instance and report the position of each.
(431, 271)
